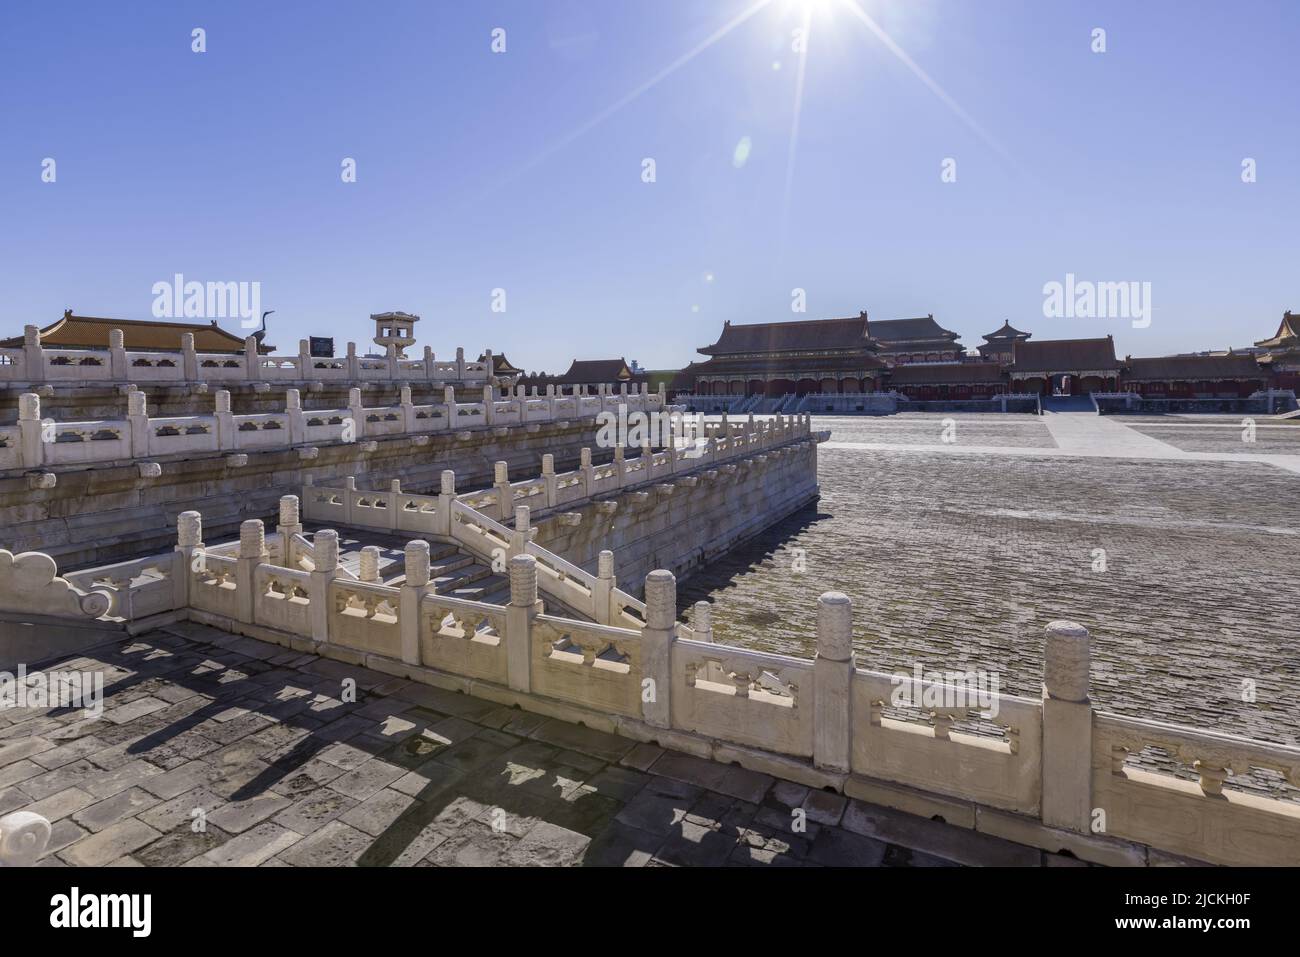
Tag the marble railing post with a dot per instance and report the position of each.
(392, 361)
(460, 363)
(522, 532)
(657, 647)
(446, 495)
(523, 608)
(620, 467)
(325, 545)
(586, 468)
(304, 359)
(353, 363)
(137, 417)
(225, 419)
(489, 404)
(408, 408)
(117, 354)
(702, 621)
(33, 354)
(290, 525)
(1067, 728)
(505, 494)
(548, 477)
(428, 363)
(349, 497)
(357, 413)
(368, 564)
(29, 428)
(449, 405)
(252, 359)
(252, 552)
(188, 556)
(297, 422)
(602, 591)
(394, 509)
(833, 683)
(189, 358)
(663, 395)
(414, 588)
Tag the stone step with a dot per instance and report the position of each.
(481, 589)
(461, 578)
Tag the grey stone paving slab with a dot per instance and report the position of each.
(310, 813)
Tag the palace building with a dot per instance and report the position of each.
(142, 335)
(915, 340)
(1229, 376)
(920, 360)
(1067, 366)
(1282, 353)
(800, 357)
(999, 346)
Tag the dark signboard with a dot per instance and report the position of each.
(322, 348)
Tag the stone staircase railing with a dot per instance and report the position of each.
(34, 442)
(1050, 771)
(34, 363)
(474, 520)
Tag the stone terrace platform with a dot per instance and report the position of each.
(261, 744)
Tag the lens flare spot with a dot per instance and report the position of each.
(741, 154)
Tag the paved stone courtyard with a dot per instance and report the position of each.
(260, 745)
(957, 559)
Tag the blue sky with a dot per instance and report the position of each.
(523, 170)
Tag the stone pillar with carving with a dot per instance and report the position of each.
(602, 591)
(353, 363)
(588, 473)
(137, 418)
(460, 363)
(252, 359)
(33, 355)
(187, 556)
(394, 508)
(446, 495)
(549, 479)
(305, 369)
(657, 647)
(414, 587)
(117, 355)
(368, 565)
(30, 430)
(505, 494)
(225, 420)
(1067, 728)
(24, 835)
(293, 411)
(357, 413)
(325, 559)
(489, 404)
(189, 358)
(290, 525)
(524, 607)
(833, 683)
(407, 406)
(252, 552)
